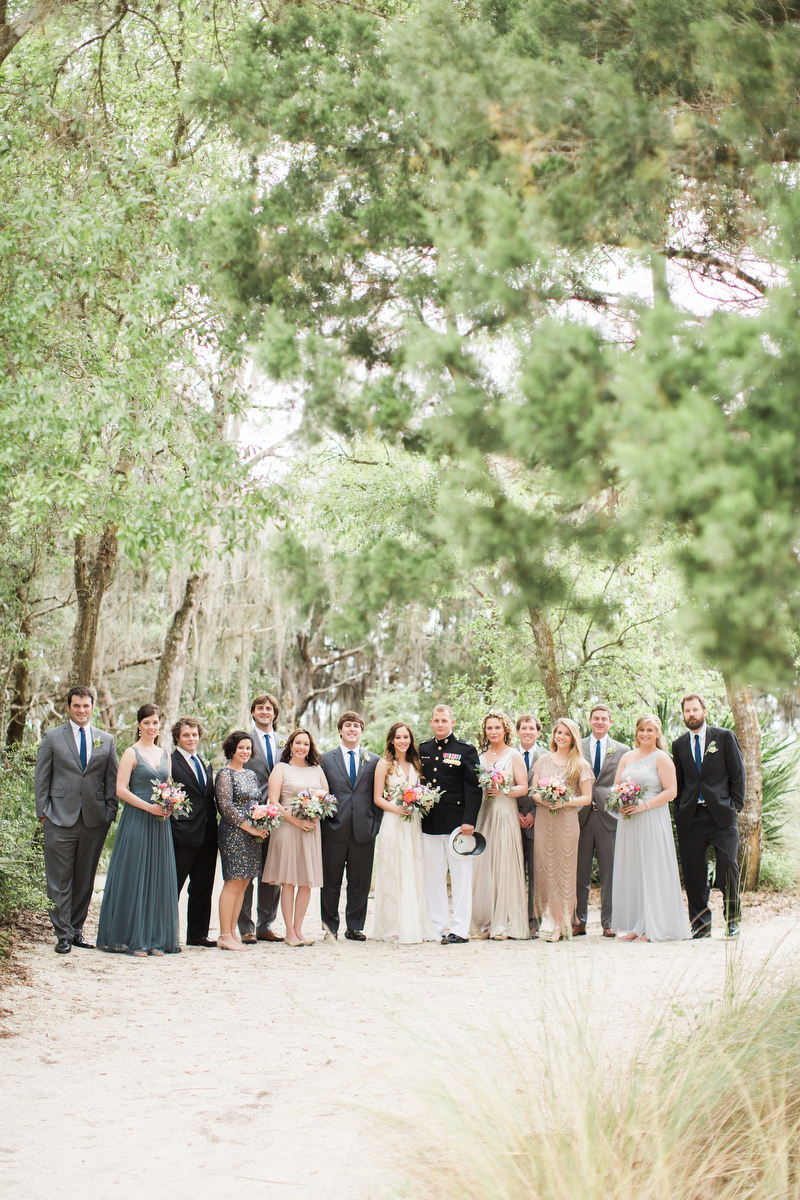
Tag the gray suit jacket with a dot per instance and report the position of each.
(258, 761)
(526, 804)
(357, 815)
(64, 791)
(604, 782)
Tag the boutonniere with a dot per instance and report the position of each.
(363, 757)
(97, 743)
(711, 748)
(281, 744)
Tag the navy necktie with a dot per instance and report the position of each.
(352, 754)
(268, 744)
(698, 758)
(596, 759)
(527, 761)
(198, 770)
(83, 749)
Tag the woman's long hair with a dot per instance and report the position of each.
(652, 719)
(412, 753)
(508, 729)
(574, 758)
(312, 758)
(147, 710)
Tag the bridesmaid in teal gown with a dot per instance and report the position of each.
(139, 913)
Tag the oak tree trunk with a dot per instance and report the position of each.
(91, 581)
(546, 662)
(748, 731)
(22, 672)
(172, 668)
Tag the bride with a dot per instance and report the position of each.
(401, 909)
(499, 899)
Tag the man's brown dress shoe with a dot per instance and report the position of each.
(269, 936)
(248, 939)
(578, 930)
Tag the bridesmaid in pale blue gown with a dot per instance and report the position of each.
(139, 913)
(646, 897)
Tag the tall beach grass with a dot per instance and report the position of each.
(709, 1112)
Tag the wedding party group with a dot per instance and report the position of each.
(517, 828)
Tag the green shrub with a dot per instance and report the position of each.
(779, 871)
(22, 878)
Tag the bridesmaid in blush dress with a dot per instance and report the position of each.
(294, 854)
(401, 906)
(499, 901)
(139, 912)
(555, 846)
(646, 898)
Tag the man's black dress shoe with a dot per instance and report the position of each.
(63, 946)
(452, 939)
(355, 935)
(703, 932)
(200, 942)
(732, 930)
(80, 940)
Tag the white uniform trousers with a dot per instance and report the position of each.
(438, 856)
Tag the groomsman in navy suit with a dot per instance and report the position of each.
(194, 836)
(265, 711)
(710, 772)
(348, 837)
(529, 728)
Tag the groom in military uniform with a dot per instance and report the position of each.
(452, 766)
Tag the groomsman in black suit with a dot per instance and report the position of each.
(194, 836)
(348, 837)
(266, 752)
(529, 728)
(710, 772)
(598, 827)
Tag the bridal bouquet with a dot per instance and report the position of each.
(553, 792)
(414, 797)
(313, 806)
(624, 794)
(170, 798)
(265, 816)
(493, 777)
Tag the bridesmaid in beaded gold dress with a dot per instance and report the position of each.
(555, 846)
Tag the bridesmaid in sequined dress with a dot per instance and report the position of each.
(236, 789)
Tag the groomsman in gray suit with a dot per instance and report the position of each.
(265, 711)
(598, 827)
(348, 837)
(75, 783)
(529, 727)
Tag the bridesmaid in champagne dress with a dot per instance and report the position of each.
(401, 907)
(139, 911)
(647, 902)
(294, 854)
(555, 846)
(499, 900)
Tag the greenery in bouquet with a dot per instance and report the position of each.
(316, 805)
(494, 778)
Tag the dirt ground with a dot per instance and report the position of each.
(221, 1076)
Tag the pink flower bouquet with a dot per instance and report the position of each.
(624, 794)
(414, 797)
(313, 806)
(265, 816)
(170, 798)
(553, 792)
(493, 777)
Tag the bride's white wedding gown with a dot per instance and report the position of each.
(401, 909)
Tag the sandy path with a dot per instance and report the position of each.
(212, 1075)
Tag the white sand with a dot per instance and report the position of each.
(221, 1076)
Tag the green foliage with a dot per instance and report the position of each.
(432, 209)
(779, 871)
(22, 878)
